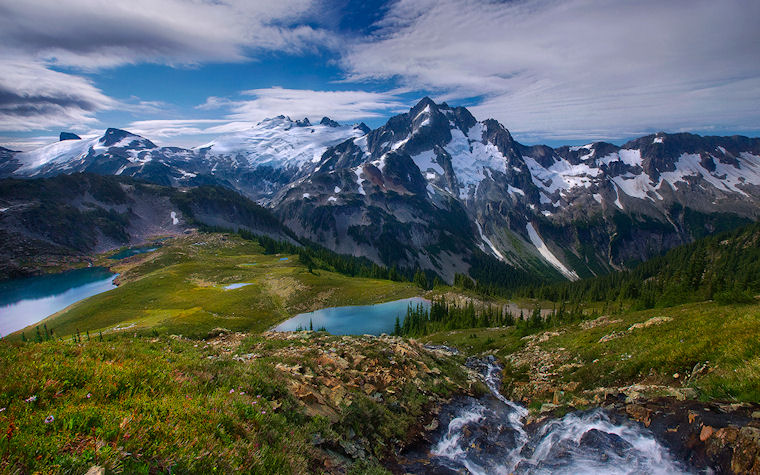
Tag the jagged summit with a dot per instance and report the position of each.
(329, 122)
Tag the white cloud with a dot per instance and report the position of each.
(299, 103)
(162, 128)
(96, 33)
(34, 97)
(574, 68)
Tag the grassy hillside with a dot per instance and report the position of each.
(286, 403)
(702, 350)
(180, 289)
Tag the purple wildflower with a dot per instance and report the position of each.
(49, 419)
(263, 412)
(3, 408)
(30, 399)
(89, 395)
(232, 391)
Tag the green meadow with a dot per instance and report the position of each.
(180, 289)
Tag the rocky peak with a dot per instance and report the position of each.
(68, 136)
(329, 122)
(303, 123)
(123, 138)
(363, 127)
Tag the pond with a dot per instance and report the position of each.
(29, 300)
(354, 320)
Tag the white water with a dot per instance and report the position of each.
(487, 436)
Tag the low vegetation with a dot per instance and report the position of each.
(293, 403)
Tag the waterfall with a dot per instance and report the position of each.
(487, 435)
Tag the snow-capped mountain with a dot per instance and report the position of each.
(579, 210)
(438, 189)
(257, 161)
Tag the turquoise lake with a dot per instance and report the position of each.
(354, 320)
(29, 300)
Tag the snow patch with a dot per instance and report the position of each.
(551, 258)
(425, 161)
(488, 241)
(173, 215)
(336, 190)
(360, 180)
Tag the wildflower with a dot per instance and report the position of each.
(263, 412)
(254, 402)
(30, 399)
(232, 391)
(242, 392)
(49, 419)
(258, 395)
(89, 395)
(3, 408)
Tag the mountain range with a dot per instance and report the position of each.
(437, 189)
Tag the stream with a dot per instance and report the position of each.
(487, 435)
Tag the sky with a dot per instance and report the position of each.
(181, 72)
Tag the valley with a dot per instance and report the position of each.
(177, 341)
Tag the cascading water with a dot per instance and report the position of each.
(487, 436)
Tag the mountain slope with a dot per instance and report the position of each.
(46, 223)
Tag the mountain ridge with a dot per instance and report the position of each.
(434, 185)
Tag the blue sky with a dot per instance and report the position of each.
(181, 72)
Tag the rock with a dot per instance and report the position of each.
(68, 136)
(706, 432)
(651, 322)
(639, 413)
(432, 426)
(217, 332)
(96, 470)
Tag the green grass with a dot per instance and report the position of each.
(728, 337)
(180, 289)
(174, 405)
(724, 337)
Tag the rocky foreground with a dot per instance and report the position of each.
(721, 435)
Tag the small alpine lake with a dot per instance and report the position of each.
(354, 320)
(26, 301)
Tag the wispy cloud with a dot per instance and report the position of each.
(94, 34)
(34, 97)
(563, 69)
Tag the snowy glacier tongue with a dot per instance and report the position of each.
(487, 436)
